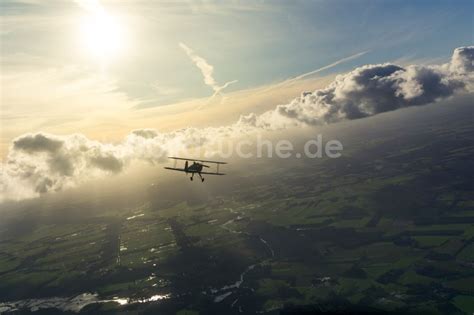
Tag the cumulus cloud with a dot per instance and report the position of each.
(45, 162)
(462, 60)
(373, 89)
(37, 143)
(38, 163)
(207, 70)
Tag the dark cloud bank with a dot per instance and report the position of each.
(38, 163)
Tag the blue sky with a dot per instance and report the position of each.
(274, 41)
(52, 80)
(255, 43)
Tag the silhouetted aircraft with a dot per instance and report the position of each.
(195, 167)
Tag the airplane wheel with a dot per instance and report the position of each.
(202, 179)
(190, 178)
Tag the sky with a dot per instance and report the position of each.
(101, 69)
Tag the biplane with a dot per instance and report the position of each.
(195, 167)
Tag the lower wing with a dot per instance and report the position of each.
(178, 169)
(190, 171)
(209, 173)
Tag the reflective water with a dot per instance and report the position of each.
(71, 304)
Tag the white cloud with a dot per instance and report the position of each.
(41, 162)
(373, 89)
(462, 60)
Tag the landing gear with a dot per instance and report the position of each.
(200, 176)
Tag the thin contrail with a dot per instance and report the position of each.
(304, 75)
(219, 89)
(207, 70)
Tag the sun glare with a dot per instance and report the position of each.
(102, 36)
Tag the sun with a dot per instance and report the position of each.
(102, 36)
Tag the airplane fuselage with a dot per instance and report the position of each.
(194, 168)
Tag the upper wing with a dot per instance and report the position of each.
(176, 169)
(178, 158)
(205, 161)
